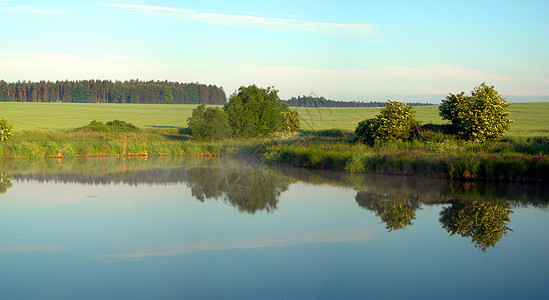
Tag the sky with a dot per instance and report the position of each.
(341, 50)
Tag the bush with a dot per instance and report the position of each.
(255, 112)
(5, 129)
(478, 117)
(395, 122)
(209, 123)
(111, 126)
(291, 121)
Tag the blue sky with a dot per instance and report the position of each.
(344, 50)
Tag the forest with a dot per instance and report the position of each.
(310, 101)
(107, 91)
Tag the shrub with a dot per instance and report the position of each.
(5, 129)
(255, 112)
(478, 117)
(209, 123)
(291, 121)
(111, 126)
(395, 122)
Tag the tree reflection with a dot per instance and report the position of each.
(484, 221)
(396, 213)
(248, 189)
(5, 182)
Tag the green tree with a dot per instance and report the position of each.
(255, 112)
(395, 122)
(209, 123)
(5, 129)
(166, 96)
(484, 221)
(478, 117)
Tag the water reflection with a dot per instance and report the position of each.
(395, 213)
(484, 221)
(5, 182)
(479, 211)
(246, 187)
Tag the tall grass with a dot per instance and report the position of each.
(520, 160)
(56, 144)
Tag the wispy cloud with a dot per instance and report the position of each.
(31, 248)
(358, 29)
(35, 10)
(333, 236)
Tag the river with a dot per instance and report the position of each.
(174, 228)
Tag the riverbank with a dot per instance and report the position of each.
(509, 160)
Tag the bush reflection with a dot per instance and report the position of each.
(479, 211)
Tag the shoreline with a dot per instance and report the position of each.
(504, 161)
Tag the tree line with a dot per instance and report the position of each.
(107, 91)
(310, 101)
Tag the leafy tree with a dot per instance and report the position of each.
(5, 129)
(478, 117)
(208, 123)
(254, 112)
(484, 221)
(395, 122)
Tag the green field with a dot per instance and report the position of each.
(531, 119)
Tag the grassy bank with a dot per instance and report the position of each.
(58, 144)
(512, 159)
(522, 156)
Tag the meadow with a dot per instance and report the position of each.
(531, 119)
(326, 140)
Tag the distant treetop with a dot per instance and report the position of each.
(107, 91)
(310, 101)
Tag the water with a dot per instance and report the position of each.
(199, 229)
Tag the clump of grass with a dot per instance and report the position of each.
(111, 126)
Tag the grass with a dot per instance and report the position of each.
(49, 130)
(58, 144)
(65, 116)
(530, 118)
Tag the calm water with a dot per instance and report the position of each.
(220, 229)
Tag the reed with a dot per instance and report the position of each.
(56, 144)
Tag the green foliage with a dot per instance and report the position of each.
(484, 221)
(255, 112)
(478, 117)
(395, 122)
(292, 122)
(111, 126)
(106, 91)
(209, 123)
(5, 129)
